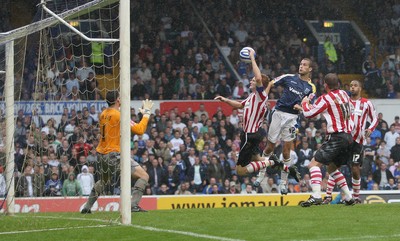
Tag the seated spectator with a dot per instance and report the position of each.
(163, 190)
(53, 186)
(232, 188)
(269, 185)
(183, 189)
(395, 151)
(248, 189)
(382, 176)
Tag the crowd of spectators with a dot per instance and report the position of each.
(382, 80)
(174, 57)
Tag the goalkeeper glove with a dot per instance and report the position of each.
(146, 108)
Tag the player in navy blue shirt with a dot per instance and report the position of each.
(284, 116)
(295, 89)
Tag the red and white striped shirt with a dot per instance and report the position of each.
(360, 110)
(255, 107)
(335, 107)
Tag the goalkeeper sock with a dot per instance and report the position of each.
(92, 199)
(94, 194)
(138, 191)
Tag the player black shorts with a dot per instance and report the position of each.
(356, 154)
(249, 143)
(336, 149)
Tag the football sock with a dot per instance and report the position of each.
(356, 187)
(286, 165)
(92, 199)
(138, 190)
(329, 186)
(94, 194)
(316, 178)
(340, 180)
(284, 176)
(258, 165)
(261, 173)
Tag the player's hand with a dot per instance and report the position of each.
(146, 107)
(368, 132)
(251, 53)
(220, 98)
(297, 107)
(305, 100)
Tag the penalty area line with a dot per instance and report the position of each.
(196, 235)
(52, 229)
(148, 228)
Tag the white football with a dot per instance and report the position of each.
(245, 54)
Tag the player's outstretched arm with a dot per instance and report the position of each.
(233, 103)
(140, 128)
(256, 70)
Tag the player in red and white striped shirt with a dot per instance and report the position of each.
(361, 110)
(334, 106)
(254, 109)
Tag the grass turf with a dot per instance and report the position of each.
(333, 222)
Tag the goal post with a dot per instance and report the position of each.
(10, 125)
(125, 111)
(123, 53)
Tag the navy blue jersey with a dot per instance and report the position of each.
(295, 89)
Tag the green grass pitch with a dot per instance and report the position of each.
(333, 222)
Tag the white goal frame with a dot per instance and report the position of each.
(124, 38)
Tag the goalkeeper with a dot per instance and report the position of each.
(108, 151)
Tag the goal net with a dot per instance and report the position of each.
(60, 79)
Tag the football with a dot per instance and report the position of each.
(245, 54)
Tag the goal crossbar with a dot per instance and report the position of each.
(76, 30)
(45, 23)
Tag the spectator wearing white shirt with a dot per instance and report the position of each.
(144, 73)
(176, 141)
(390, 137)
(239, 90)
(178, 124)
(234, 118)
(196, 122)
(86, 180)
(311, 128)
(83, 72)
(71, 82)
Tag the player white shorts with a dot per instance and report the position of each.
(282, 126)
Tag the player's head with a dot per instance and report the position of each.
(112, 97)
(331, 81)
(265, 80)
(305, 66)
(355, 87)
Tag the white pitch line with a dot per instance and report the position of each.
(148, 228)
(51, 229)
(197, 235)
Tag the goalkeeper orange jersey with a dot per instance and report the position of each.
(110, 134)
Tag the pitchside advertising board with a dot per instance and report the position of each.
(51, 108)
(112, 204)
